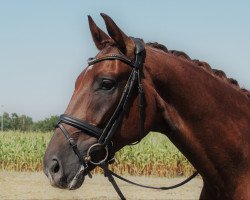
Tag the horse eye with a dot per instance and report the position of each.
(107, 84)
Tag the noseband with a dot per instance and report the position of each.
(105, 135)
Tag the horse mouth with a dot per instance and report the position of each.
(61, 183)
(78, 179)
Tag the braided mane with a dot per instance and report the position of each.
(219, 73)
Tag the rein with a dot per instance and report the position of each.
(105, 135)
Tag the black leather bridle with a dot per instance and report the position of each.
(105, 135)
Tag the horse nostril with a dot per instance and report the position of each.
(55, 167)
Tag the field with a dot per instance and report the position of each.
(155, 155)
(35, 185)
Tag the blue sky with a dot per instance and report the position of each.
(44, 44)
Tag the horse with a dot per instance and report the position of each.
(131, 88)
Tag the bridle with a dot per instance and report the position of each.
(105, 135)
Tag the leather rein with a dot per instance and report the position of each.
(105, 135)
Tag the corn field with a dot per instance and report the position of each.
(155, 155)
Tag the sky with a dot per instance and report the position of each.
(44, 44)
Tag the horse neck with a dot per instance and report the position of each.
(199, 112)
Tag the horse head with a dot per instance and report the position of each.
(99, 102)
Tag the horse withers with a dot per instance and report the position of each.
(205, 114)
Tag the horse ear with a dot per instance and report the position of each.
(100, 38)
(125, 43)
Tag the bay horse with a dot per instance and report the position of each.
(204, 113)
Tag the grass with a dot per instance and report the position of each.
(154, 155)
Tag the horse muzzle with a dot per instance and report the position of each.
(58, 179)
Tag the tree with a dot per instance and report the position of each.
(14, 121)
(25, 123)
(7, 125)
(46, 125)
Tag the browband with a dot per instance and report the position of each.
(92, 61)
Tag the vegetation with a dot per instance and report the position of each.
(25, 123)
(154, 155)
(46, 125)
(22, 151)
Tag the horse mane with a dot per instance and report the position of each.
(218, 73)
